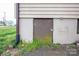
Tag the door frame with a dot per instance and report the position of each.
(43, 18)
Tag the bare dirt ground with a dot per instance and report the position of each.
(47, 51)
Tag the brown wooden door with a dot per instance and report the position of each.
(43, 28)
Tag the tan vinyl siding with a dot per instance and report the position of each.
(49, 10)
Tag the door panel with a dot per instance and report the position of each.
(43, 28)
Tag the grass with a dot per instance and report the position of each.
(28, 47)
(25, 47)
(7, 36)
(72, 45)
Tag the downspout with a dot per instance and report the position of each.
(17, 26)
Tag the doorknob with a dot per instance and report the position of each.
(51, 29)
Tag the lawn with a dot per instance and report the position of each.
(7, 37)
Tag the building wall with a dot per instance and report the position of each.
(49, 10)
(65, 20)
(65, 31)
(26, 29)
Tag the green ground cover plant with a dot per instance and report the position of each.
(72, 45)
(25, 47)
(7, 36)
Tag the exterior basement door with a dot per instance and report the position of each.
(43, 29)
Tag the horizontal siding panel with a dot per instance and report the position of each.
(49, 16)
(27, 13)
(55, 10)
(49, 5)
(49, 9)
